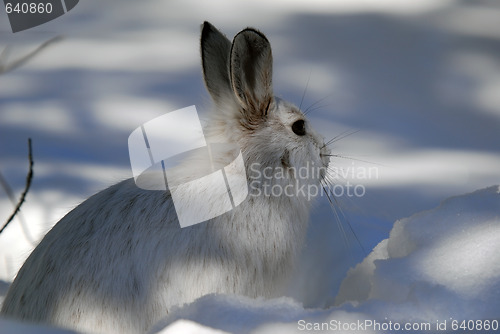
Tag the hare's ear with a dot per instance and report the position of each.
(215, 50)
(251, 68)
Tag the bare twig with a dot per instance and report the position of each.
(5, 67)
(29, 177)
(22, 221)
(19, 62)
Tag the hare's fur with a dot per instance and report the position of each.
(119, 261)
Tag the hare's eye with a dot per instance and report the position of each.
(299, 127)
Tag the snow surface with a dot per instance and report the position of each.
(419, 79)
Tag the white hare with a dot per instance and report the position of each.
(119, 261)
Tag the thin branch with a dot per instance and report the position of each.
(19, 62)
(29, 177)
(12, 198)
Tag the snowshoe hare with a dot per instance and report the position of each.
(119, 261)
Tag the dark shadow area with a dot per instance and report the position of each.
(394, 68)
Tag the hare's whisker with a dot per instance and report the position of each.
(341, 136)
(350, 158)
(308, 109)
(335, 209)
(338, 213)
(305, 89)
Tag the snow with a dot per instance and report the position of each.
(419, 79)
(451, 251)
(188, 327)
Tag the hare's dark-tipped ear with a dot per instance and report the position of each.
(215, 50)
(251, 66)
